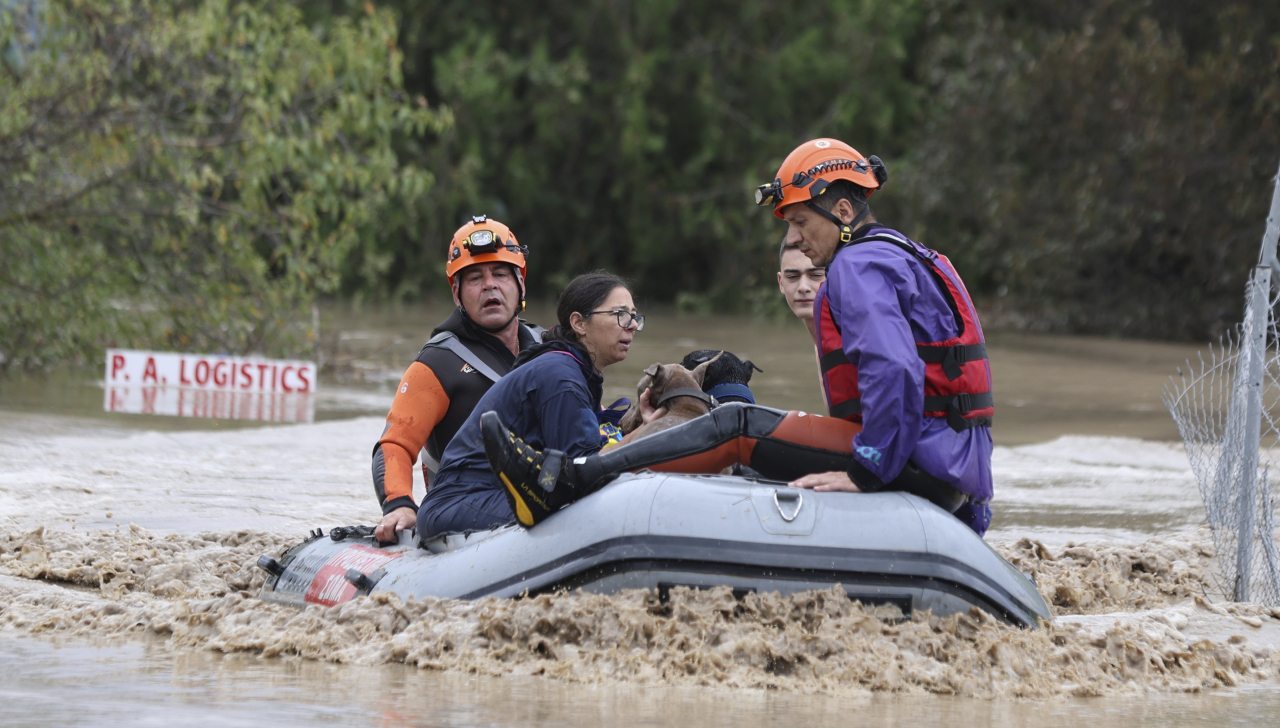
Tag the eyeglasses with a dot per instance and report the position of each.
(625, 318)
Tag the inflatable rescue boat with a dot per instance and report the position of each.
(658, 531)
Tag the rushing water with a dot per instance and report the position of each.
(1085, 454)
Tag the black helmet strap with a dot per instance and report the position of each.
(846, 231)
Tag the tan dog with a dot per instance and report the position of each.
(674, 386)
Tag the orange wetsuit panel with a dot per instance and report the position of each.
(419, 406)
(826, 433)
(737, 450)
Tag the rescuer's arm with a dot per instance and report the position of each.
(569, 425)
(568, 417)
(419, 405)
(871, 304)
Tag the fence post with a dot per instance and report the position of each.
(1256, 323)
(1255, 348)
(1267, 256)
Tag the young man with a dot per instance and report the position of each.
(467, 353)
(799, 280)
(900, 345)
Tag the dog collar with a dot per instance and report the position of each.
(721, 391)
(684, 392)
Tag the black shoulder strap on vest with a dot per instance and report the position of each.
(448, 340)
(534, 330)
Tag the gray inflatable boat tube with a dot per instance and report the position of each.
(657, 531)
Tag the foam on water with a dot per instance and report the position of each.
(198, 591)
(1108, 527)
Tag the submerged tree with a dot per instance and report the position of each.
(188, 173)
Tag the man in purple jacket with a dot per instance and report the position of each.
(902, 351)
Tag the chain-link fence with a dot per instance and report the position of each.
(1227, 407)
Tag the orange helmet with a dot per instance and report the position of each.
(811, 167)
(486, 241)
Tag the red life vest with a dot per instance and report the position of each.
(957, 375)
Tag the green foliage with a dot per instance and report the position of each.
(188, 174)
(630, 135)
(1100, 166)
(1106, 165)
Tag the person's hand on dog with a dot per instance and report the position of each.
(834, 480)
(647, 412)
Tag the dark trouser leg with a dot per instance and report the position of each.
(475, 512)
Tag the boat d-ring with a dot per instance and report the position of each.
(790, 494)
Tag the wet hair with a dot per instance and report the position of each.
(843, 189)
(728, 369)
(585, 293)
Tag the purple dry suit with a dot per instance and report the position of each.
(883, 300)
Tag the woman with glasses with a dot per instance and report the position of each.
(550, 400)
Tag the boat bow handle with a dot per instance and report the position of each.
(789, 495)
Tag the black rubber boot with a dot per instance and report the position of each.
(536, 483)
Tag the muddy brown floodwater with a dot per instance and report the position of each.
(127, 591)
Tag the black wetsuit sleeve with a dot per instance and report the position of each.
(867, 481)
(911, 480)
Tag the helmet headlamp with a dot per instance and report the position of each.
(481, 242)
(484, 242)
(769, 194)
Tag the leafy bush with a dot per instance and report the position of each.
(188, 174)
(1107, 166)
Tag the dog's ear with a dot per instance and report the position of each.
(658, 375)
(700, 372)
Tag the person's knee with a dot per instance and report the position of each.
(729, 412)
(427, 513)
(728, 420)
(738, 419)
(471, 514)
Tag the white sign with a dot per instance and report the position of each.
(222, 387)
(198, 371)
